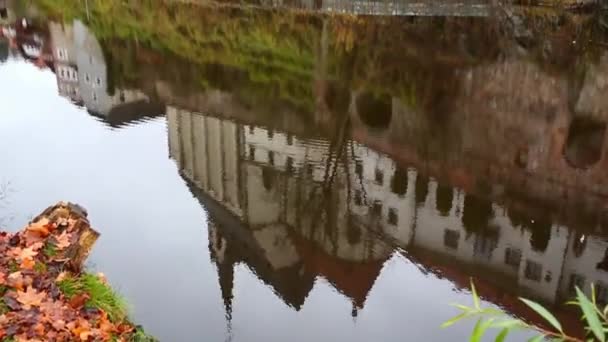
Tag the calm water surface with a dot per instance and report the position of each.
(275, 174)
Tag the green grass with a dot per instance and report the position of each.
(102, 296)
(50, 250)
(141, 336)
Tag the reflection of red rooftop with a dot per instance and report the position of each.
(490, 292)
(353, 279)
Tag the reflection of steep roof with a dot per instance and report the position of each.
(289, 283)
(353, 279)
(124, 114)
(488, 290)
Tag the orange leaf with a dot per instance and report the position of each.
(30, 298)
(28, 264)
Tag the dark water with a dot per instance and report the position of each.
(277, 174)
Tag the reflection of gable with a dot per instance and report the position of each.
(288, 282)
(353, 279)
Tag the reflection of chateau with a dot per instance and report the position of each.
(301, 213)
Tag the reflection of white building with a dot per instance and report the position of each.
(82, 72)
(64, 56)
(299, 211)
(7, 16)
(586, 263)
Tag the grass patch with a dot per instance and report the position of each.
(49, 249)
(101, 296)
(141, 336)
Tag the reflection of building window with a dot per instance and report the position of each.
(87, 78)
(601, 293)
(122, 97)
(393, 218)
(270, 134)
(451, 238)
(399, 182)
(98, 80)
(377, 208)
(250, 129)
(309, 170)
(513, 257)
(359, 168)
(289, 165)
(358, 197)
(271, 158)
(485, 245)
(533, 270)
(95, 97)
(379, 176)
(576, 280)
(251, 152)
(267, 178)
(289, 139)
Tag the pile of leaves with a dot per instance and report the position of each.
(42, 300)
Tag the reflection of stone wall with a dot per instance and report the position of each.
(509, 125)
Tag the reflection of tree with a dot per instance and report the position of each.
(5, 190)
(445, 196)
(540, 229)
(476, 214)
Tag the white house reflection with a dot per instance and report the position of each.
(295, 209)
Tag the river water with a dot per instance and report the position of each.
(337, 171)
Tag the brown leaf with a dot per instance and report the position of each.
(63, 240)
(30, 298)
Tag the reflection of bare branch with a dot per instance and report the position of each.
(5, 190)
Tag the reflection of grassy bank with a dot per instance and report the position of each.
(272, 50)
(269, 55)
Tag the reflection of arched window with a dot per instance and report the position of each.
(375, 110)
(477, 214)
(585, 141)
(267, 178)
(422, 189)
(445, 196)
(399, 182)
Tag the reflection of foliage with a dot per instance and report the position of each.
(540, 229)
(279, 55)
(273, 50)
(476, 214)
